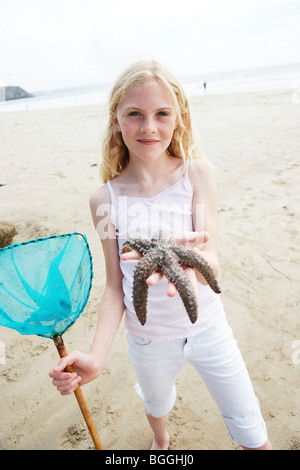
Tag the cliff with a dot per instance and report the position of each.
(14, 93)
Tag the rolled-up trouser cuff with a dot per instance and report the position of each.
(248, 431)
(154, 409)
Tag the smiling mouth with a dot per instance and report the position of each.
(148, 141)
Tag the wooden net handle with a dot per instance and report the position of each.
(59, 343)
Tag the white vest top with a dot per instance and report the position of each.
(169, 211)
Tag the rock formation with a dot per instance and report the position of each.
(13, 93)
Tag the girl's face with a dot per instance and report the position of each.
(146, 118)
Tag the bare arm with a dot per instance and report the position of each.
(88, 366)
(203, 180)
(112, 305)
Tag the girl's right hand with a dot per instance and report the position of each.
(85, 370)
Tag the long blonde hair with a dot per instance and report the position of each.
(184, 143)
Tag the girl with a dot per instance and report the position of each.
(156, 180)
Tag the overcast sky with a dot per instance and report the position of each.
(48, 44)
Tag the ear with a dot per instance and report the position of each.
(114, 120)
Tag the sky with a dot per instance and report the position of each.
(51, 44)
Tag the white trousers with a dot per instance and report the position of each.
(216, 357)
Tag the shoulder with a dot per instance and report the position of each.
(202, 173)
(99, 196)
(100, 205)
(201, 166)
(101, 210)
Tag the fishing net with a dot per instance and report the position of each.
(44, 287)
(45, 284)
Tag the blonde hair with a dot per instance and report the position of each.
(184, 144)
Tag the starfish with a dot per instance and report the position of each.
(160, 253)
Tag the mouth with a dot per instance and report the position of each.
(148, 141)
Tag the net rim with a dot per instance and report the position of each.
(41, 239)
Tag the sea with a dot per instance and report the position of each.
(279, 77)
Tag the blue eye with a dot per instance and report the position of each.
(162, 113)
(134, 113)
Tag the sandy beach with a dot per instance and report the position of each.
(48, 170)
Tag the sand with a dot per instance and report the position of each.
(47, 174)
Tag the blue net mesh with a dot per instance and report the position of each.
(45, 284)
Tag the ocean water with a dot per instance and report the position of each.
(239, 81)
(278, 77)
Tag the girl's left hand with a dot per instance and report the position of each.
(188, 240)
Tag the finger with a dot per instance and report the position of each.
(64, 379)
(171, 289)
(130, 255)
(67, 387)
(190, 273)
(201, 237)
(60, 367)
(56, 375)
(68, 390)
(62, 364)
(154, 278)
(190, 239)
(69, 360)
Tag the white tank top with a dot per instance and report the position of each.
(171, 211)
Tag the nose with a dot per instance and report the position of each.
(148, 125)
